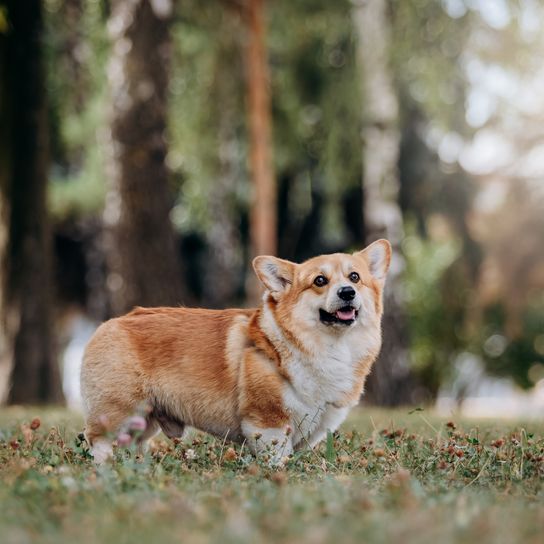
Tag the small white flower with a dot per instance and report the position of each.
(69, 483)
(190, 454)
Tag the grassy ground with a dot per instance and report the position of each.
(388, 476)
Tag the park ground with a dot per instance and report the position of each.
(388, 476)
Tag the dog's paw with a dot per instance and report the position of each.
(101, 451)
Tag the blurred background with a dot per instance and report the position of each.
(150, 148)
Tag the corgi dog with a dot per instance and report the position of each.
(277, 377)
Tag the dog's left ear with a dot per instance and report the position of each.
(275, 274)
(378, 257)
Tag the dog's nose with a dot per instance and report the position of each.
(346, 293)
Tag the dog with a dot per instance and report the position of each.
(277, 377)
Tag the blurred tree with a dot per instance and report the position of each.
(263, 207)
(510, 286)
(427, 54)
(26, 302)
(77, 50)
(225, 259)
(140, 243)
(317, 115)
(76, 53)
(390, 381)
(457, 69)
(5, 181)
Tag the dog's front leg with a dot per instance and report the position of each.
(275, 442)
(332, 417)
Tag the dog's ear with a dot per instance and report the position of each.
(275, 274)
(378, 257)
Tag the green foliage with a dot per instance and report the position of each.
(394, 474)
(4, 21)
(428, 44)
(433, 334)
(76, 51)
(206, 101)
(317, 114)
(522, 358)
(317, 106)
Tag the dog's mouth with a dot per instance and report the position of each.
(344, 316)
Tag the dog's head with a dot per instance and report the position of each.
(337, 291)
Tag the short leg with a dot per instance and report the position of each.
(171, 426)
(330, 421)
(151, 429)
(99, 429)
(274, 441)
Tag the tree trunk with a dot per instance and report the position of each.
(5, 182)
(27, 299)
(390, 382)
(140, 242)
(71, 46)
(263, 229)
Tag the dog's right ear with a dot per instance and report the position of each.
(275, 274)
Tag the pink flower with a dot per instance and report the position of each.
(124, 439)
(136, 423)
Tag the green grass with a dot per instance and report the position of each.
(387, 476)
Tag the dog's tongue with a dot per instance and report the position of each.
(345, 315)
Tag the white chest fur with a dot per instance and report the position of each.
(317, 381)
(326, 374)
(321, 375)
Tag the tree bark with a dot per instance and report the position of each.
(27, 286)
(140, 242)
(263, 213)
(390, 382)
(5, 182)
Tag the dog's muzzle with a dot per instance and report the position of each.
(345, 315)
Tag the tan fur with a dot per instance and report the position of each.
(238, 372)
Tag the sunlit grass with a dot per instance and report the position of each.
(411, 477)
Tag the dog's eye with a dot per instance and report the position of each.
(320, 281)
(354, 277)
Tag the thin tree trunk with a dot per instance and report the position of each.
(390, 382)
(5, 182)
(71, 50)
(27, 304)
(263, 211)
(140, 243)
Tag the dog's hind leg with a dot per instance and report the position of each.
(152, 429)
(171, 426)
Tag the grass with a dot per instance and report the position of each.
(387, 476)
